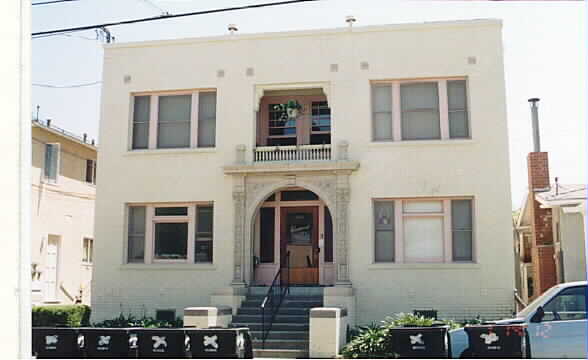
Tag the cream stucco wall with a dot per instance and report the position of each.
(573, 245)
(476, 167)
(65, 210)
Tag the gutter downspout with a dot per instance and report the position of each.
(24, 240)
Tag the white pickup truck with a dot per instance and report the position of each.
(556, 323)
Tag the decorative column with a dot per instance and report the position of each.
(342, 204)
(239, 217)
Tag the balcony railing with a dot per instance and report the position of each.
(292, 153)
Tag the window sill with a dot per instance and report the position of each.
(160, 266)
(425, 266)
(376, 144)
(170, 151)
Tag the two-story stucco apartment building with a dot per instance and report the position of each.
(376, 157)
(63, 196)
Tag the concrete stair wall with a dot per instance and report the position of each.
(288, 337)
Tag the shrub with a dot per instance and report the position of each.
(372, 341)
(61, 315)
(146, 322)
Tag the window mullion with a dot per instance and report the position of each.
(191, 233)
(194, 120)
(398, 232)
(443, 109)
(153, 117)
(447, 232)
(396, 112)
(149, 234)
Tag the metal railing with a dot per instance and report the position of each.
(274, 297)
(292, 153)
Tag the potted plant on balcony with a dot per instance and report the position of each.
(291, 109)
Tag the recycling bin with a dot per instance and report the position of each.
(161, 343)
(497, 341)
(420, 342)
(56, 343)
(223, 343)
(109, 343)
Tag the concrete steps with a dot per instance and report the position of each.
(288, 337)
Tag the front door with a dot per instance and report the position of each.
(299, 239)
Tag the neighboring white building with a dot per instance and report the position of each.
(376, 156)
(63, 196)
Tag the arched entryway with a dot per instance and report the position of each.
(293, 227)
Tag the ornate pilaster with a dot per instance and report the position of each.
(342, 204)
(239, 217)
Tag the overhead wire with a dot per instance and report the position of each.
(165, 17)
(52, 2)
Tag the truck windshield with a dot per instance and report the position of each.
(540, 300)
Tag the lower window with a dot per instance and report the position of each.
(423, 231)
(177, 233)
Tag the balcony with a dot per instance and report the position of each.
(292, 153)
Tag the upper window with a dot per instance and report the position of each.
(320, 132)
(183, 120)
(91, 171)
(51, 169)
(173, 233)
(419, 110)
(432, 231)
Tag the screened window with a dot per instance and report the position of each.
(87, 250)
(185, 120)
(174, 121)
(51, 169)
(136, 234)
(206, 119)
(429, 231)
(457, 108)
(203, 247)
(462, 231)
(414, 110)
(91, 171)
(141, 116)
(382, 112)
(384, 231)
(420, 111)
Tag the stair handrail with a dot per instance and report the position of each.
(275, 295)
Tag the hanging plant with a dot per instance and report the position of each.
(291, 109)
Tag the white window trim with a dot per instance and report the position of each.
(443, 109)
(399, 215)
(151, 220)
(154, 114)
(91, 261)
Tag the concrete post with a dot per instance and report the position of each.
(206, 317)
(328, 332)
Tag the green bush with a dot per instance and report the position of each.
(61, 315)
(375, 341)
(372, 341)
(146, 322)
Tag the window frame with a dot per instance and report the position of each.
(399, 232)
(154, 119)
(150, 222)
(396, 105)
(93, 172)
(47, 178)
(87, 256)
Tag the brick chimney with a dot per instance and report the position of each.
(541, 219)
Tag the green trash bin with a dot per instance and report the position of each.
(56, 343)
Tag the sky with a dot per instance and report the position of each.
(545, 56)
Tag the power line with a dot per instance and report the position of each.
(67, 86)
(163, 17)
(52, 2)
(163, 11)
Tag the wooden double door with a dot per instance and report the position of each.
(299, 246)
